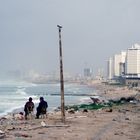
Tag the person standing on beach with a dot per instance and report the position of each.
(29, 107)
(42, 107)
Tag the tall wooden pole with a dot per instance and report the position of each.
(61, 76)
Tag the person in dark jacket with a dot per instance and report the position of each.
(28, 108)
(42, 107)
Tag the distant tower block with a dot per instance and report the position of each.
(87, 72)
(110, 68)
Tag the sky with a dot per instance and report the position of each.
(93, 30)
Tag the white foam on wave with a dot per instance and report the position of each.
(21, 91)
(12, 107)
(19, 97)
(36, 101)
(13, 110)
(17, 105)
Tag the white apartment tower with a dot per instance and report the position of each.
(133, 61)
(110, 68)
(117, 61)
(116, 66)
(122, 63)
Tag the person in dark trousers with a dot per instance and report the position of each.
(42, 107)
(28, 108)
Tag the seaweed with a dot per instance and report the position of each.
(96, 106)
(91, 106)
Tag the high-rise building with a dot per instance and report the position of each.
(133, 61)
(117, 61)
(126, 66)
(110, 68)
(122, 63)
(116, 66)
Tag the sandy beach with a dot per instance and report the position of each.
(122, 122)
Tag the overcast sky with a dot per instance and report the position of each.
(93, 30)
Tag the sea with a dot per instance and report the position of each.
(14, 95)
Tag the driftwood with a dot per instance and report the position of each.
(76, 117)
(57, 126)
(47, 126)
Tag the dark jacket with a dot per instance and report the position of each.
(29, 106)
(43, 105)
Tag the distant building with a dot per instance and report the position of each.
(132, 76)
(116, 66)
(100, 74)
(122, 63)
(117, 61)
(133, 61)
(87, 72)
(126, 66)
(110, 68)
(122, 69)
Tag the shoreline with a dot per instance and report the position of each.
(121, 123)
(20, 109)
(103, 92)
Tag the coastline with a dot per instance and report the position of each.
(121, 123)
(70, 99)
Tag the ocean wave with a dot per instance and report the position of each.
(21, 91)
(19, 94)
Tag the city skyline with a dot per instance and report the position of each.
(92, 31)
(125, 64)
